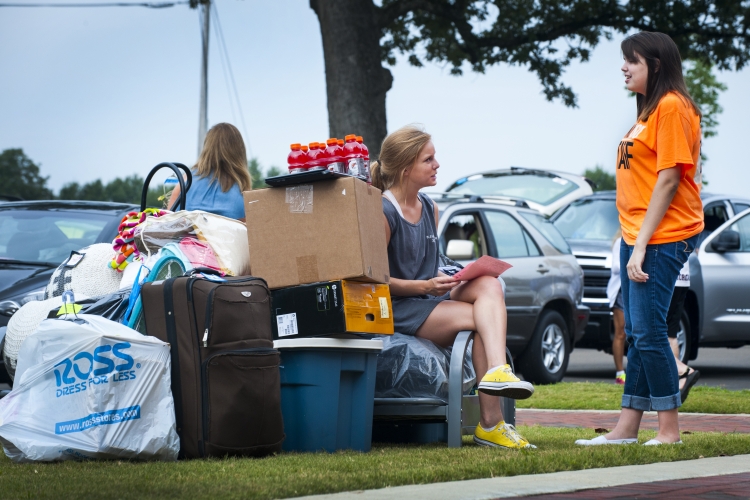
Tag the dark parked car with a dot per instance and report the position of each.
(590, 223)
(37, 236)
(543, 288)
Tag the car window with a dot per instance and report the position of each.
(714, 215)
(531, 246)
(511, 240)
(548, 230)
(465, 227)
(47, 236)
(740, 207)
(742, 226)
(596, 220)
(538, 188)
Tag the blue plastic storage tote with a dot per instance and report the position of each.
(327, 392)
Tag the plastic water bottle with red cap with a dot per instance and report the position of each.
(335, 156)
(315, 160)
(353, 156)
(365, 159)
(297, 159)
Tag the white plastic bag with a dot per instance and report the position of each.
(89, 388)
(226, 238)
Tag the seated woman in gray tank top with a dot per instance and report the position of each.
(431, 305)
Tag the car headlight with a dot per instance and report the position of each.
(8, 307)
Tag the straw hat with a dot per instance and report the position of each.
(23, 323)
(91, 277)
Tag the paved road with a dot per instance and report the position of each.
(715, 487)
(723, 367)
(705, 478)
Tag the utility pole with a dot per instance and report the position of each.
(203, 118)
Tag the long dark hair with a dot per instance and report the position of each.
(664, 70)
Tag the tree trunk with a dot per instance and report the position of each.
(356, 82)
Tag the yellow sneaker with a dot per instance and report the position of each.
(503, 382)
(502, 436)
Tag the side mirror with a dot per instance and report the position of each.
(727, 241)
(460, 250)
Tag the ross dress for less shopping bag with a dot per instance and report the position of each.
(89, 389)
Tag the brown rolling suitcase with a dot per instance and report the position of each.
(225, 371)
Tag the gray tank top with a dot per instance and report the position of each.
(413, 252)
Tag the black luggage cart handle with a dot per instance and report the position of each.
(183, 185)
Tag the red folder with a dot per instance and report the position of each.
(484, 266)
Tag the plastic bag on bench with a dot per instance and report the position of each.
(89, 388)
(410, 367)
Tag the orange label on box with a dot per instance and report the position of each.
(368, 308)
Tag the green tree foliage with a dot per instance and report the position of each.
(704, 88)
(127, 190)
(604, 180)
(273, 172)
(547, 35)
(256, 173)
(20, 177)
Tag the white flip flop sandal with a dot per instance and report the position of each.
(601, 440)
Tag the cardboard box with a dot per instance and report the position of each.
(331, 307)
(323, 231)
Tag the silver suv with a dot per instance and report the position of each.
(543, 288)
(590, 223)
(720, 284)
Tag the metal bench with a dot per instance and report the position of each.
(427, 420)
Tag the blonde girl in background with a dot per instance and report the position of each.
(220, 176)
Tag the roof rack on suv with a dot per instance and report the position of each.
(475, 198)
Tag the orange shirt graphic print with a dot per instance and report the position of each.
(624, 153)
(670, 138)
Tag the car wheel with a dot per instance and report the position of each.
(546, 357)
(683, 338)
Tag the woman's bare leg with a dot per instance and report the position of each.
(628, 424)
(618, 343)
(489, 406)
(490, 316)
(477, 305)
(681, 367)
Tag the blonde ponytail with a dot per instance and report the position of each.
(399, 151)
(376, 175)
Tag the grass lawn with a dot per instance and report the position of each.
(604, 396)
(291, 474)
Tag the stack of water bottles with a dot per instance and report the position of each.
(348, 156)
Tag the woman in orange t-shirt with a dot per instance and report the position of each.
(661, 214)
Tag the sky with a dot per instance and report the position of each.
(100, 93)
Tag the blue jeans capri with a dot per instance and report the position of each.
(651, 381)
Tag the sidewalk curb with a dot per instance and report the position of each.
(556, 482)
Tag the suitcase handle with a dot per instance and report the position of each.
(202, 270)
(183, 185)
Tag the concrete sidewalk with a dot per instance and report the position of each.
(693, 422)
(717, 477)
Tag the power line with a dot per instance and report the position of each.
(223, 45)
(150, 5)
(224, 64)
